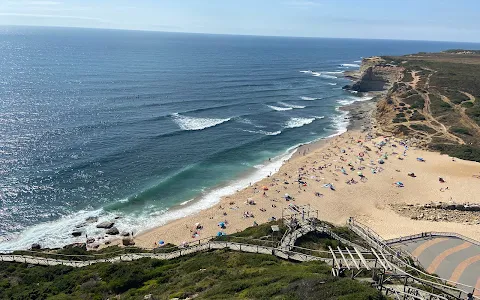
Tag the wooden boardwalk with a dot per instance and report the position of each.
(210, 245)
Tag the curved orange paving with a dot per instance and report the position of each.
(439, 259)
(424, 246)
(477, 288)
(462, 266)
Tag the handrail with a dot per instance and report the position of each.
(372, 236)
(169, 255)
(432, 233)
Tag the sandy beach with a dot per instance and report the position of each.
(308, 175)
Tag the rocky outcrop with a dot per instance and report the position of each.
(112, 231)
(36, 246)
(91, 219)
(375, 75)
(76, 245)
(105, 225)
(77, 233)
(128, 242)
(441, 212)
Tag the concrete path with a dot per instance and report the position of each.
(451, 258)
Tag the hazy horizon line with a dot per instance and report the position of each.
(233, 34)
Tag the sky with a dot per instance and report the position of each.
(440, 20)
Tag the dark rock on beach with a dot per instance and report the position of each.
(124, 233)
(36, 246)
(77, 233)
(106, 225)
(113, 231)
(76, 245)
(91, 219)
(128, 242)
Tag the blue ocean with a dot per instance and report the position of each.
(146, 127)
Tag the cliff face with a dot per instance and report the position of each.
(433, 99)
(375, 75)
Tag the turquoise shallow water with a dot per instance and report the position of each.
(120, 123)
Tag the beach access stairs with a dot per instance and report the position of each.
(403, 268)
(387, 265)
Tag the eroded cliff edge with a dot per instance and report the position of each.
(431, 98)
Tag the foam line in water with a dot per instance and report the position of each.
(350, 65)
(291, 105)
(331, 83)
(54, 234)
(279, 108)
(319, 74)
(309, 98)
(353, 99)
(194, 123)
(264, 132)
(340, 122)
(298, 122)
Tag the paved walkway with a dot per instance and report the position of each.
(449, 257)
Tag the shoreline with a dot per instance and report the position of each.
(318, 163)
(358, 115)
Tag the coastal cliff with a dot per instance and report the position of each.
(375, 74)
(431, 98)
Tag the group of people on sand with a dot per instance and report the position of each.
(348, 156)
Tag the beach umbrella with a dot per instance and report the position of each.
(219, 233)
(161, 242)
(265, 188)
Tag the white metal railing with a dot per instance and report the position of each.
(431, 234)
(377, 241)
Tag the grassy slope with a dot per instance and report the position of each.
(211, 275)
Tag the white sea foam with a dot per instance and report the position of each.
(357, 61)
(331, 83)
(309, 98)
(194, 123)
(279, 108)
(340, 122)
(350, 65)
(53, 234)
(353, 99)
(298, 122)
(291, 105)
(321, 74)
(264, 132)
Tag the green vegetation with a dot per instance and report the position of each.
(417, 116)
(407, 76)
(217, 274)
(474, 112)
(455, 96)
(460, 130)
(421, 127)
(415, 101)
(466, 152)
(317, 241)
(438, 106)
(467, 104)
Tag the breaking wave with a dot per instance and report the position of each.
(299, 122)
(194, 123)
(291, 105)
(309, 98)
(350, 65)
(319, 74)
(279, 108)
(264, 132)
